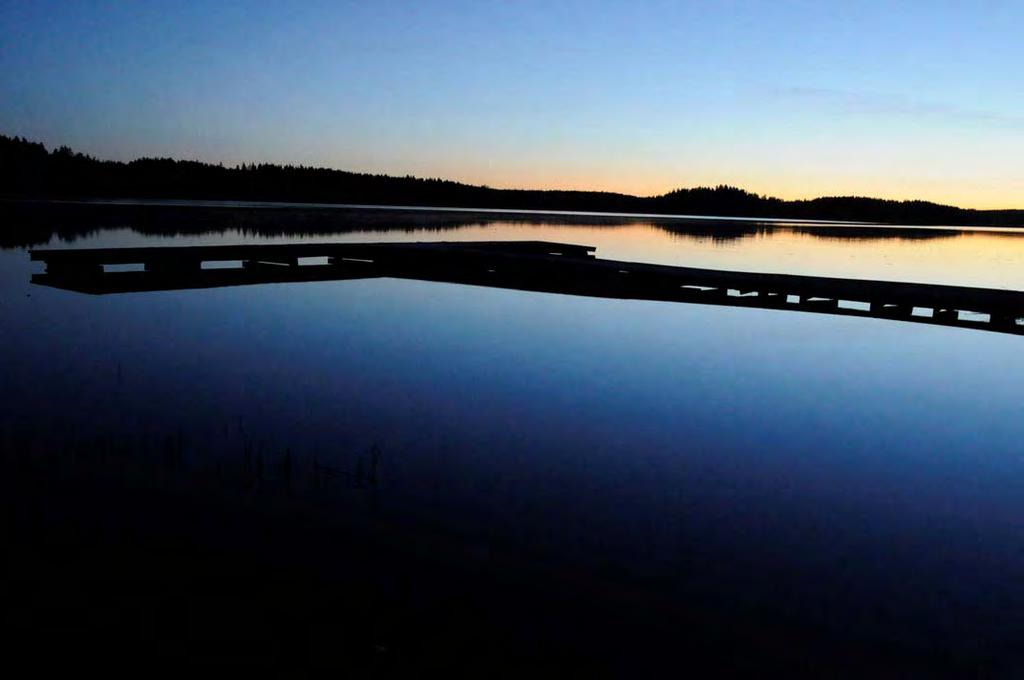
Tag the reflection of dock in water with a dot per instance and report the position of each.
(524, 265)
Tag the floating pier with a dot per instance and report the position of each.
(523, 265)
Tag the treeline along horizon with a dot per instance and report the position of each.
(29, 170)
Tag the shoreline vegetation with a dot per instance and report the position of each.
(29, 171)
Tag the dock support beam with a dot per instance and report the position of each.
(173, 265)
(73, 269)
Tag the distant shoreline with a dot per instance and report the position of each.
(470, 212)
(29, 171)
(489, 212)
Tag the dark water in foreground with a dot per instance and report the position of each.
(860, 473)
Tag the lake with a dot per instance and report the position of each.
(860, 474)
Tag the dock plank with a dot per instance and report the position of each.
(526, 265)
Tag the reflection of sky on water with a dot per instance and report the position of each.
(984, 258)
(667, 433)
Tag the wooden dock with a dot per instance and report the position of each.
(525, 265)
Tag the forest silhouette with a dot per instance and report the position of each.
(29, 170)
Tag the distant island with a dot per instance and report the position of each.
(29, 171)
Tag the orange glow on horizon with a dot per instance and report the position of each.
(978, 198)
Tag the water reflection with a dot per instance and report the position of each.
(32, 227)
(859, 474)
(985, 258)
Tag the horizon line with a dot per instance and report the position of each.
(471, 184)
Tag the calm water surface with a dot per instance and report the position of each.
(856, 469)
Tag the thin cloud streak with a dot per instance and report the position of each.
(881, 103)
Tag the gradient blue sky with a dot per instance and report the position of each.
(796, 99)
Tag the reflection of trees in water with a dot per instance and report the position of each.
(37, 223)
(734, 232)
